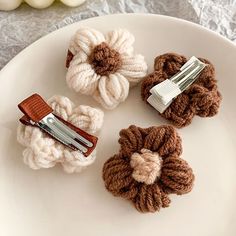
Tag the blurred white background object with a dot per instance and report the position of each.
(8, 5)
(39, 3)
(73, 3)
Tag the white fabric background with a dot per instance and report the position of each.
(21, 27)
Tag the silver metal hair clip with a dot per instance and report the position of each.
(163, 93)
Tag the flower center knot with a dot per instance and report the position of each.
(105, 60)
(146, 166)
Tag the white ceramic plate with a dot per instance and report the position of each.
(50, 202)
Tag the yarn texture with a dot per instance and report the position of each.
(148, 168)
(104, 66)
(42, 151)
(202, 98)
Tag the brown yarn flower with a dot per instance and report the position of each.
(202, 98)
(148, 168)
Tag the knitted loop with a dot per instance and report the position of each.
(176, 176)
(121, 40)
(105, 60)
(148, 168)
(163, 139)
(62, 106)
(44, 152)
(151, 199)
(104, 66)
(87, 118)
(202, 98)
(169, 63)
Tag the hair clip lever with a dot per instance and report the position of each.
(163, 93)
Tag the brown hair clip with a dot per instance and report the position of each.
(39, 114)
(201, 98)
(148, 168)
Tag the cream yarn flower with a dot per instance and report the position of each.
(104, 66)
(44, 152)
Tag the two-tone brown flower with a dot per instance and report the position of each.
(148, 168)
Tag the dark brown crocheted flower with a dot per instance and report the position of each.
(202, 98)
(105, 60)
(148, 168)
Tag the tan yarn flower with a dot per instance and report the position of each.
(104, 66)
(148, 168)
(202, 98)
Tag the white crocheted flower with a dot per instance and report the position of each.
(44, 152)
(104, 66)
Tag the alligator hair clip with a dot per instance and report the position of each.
(163, 93)
(38, 113)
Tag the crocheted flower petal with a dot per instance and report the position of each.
(117, 177)
(177, 176)
(25, 133)
(170, 63)
(121, 40)
(87, 118)
(180, 111)
(75, 162)
(28, 157)
(42, 154)
(164, 140)
(112, 90)
(131, 140)
(82, 78)
(150, 198)
(205, 101)
(134, 68)
(61, 105)
(84, 41)
(42, 151)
